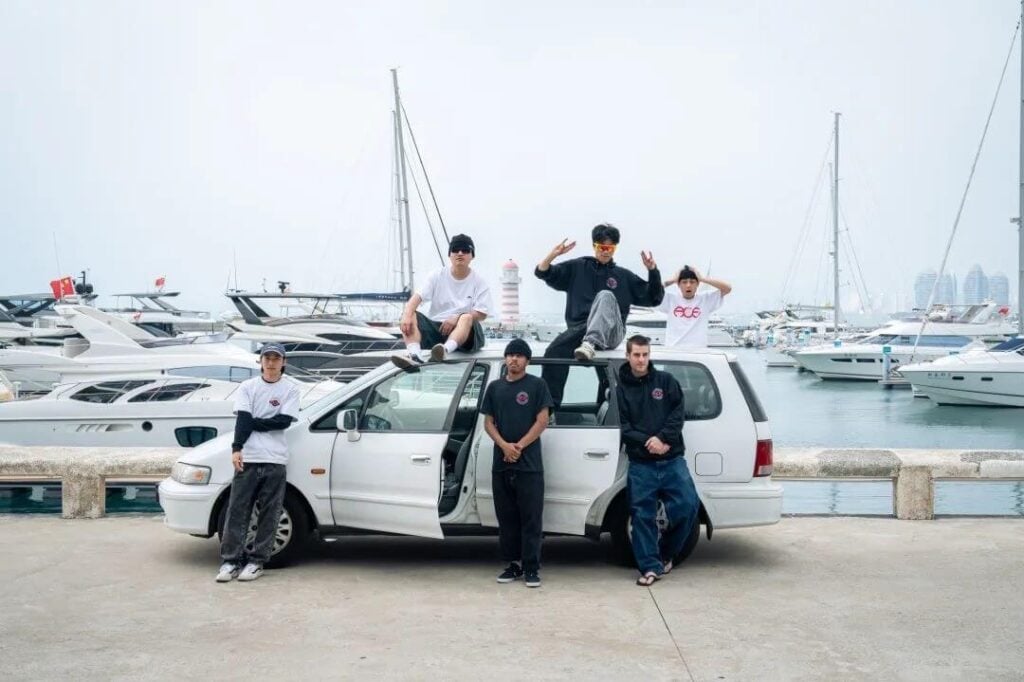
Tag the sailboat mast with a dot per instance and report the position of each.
(1020, 198)
(403, 285)
(835, 226)
(404, 189)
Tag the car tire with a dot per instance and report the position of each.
(293, 530)
(622, 547)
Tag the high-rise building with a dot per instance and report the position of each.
(946, 292)
(510, 280)
(923, 288)
(999, 288)
(975, 286)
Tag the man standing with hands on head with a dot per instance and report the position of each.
(517, 414)
(688, 311)
(460, 299)
(264, 407)
(599, 293)
(651, 420)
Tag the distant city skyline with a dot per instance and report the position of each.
(977, 288)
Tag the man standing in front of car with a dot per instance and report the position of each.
(651, 419)
(459, 298)
(687, 311)
(599, 293)
(517, 414)
(264, 407)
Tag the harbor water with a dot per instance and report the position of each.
(804, 411)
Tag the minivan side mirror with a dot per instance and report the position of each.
(348, 421)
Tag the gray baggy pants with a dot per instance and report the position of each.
(258, 483)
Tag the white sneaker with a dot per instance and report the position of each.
(228, 572)
(585, 352)
(438, 353)
(406, 360)
(250, 572)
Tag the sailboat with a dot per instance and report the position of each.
(994, 376)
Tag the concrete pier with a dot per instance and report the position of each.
(808, 599)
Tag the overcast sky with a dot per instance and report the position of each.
(167, 138)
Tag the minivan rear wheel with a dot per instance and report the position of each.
(621, 527)
(290, 537)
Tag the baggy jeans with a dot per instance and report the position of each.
(668, 481)
(519, 506)
(604, 330)
(259, 483)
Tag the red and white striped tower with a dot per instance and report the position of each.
(510, 293)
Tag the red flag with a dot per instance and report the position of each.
(67, 286)
(160, 281)
(55, 288)
(1004, 311)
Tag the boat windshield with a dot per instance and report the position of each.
(1016, 344)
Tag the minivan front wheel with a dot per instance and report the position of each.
(290, 537)
(621, 527)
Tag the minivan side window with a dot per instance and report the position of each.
(701, 399)
(413, 401)
(585, 400)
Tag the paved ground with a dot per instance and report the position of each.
(807, 599)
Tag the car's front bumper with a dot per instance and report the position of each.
(188, 508)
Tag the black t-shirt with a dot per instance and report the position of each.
(514, 405)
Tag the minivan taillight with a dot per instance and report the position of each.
(763, 458)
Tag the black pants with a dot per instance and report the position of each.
(519, 506)
(259, 483)
(430, 334)
(562, 347)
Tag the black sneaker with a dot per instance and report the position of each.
(533, 579)
(511, 574)
(406, 360)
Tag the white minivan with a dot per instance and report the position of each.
(405, 452)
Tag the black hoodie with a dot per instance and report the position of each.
(582, 279)
(651, 405)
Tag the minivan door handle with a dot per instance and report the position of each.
(596, 454)
(420, 459)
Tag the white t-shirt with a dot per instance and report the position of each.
(449, 296)
(263, 400)
(687, 323)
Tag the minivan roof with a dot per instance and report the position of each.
(494, 350)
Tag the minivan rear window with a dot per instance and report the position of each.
(756, 410)
(701, 399)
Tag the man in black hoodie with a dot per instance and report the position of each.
(651, 419)
(598, 296)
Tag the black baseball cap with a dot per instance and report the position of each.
(462, 242)
(272, 348)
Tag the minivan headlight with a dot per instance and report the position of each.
(190, 474)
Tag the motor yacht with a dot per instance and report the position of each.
(944, 333)
(112, 346)
(981, 377)
(132, 411)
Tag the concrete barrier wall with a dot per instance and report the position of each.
(83, 472)
(914, 471)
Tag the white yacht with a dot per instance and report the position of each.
(981, 377)
(153, 312)
(978, 327)
(651, 323)
(112, 346)
(134, 411)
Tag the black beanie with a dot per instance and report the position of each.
(519, 347)
(687, 273)
(462, 241)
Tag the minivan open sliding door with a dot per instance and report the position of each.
(390, 478)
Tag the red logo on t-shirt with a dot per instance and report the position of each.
(612, 282)
(522, 397)
(690, 313)
(657, 394)
(275, 402)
